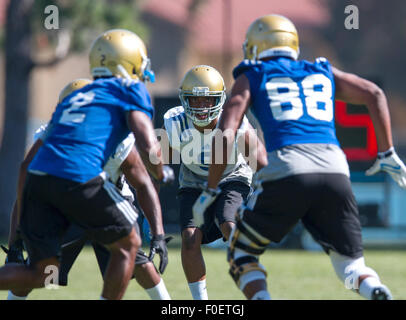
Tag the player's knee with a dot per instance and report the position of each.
(191, 238)
(143, 270)
(133, 242)
(246, 269)
(226, 229)
(130, 243)
(245, 245)
(44, 271)
(245, 238)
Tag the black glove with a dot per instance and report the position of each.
(15, 252)
(158, 245)
(169, 175)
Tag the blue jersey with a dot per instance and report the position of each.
(87, 126)
(292, 100)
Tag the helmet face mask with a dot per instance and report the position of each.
(203, 116)
(271, 36)
(202, 81)
(120, 53)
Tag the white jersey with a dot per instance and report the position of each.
(112, 167)
(194, 148)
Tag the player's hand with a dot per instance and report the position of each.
(14, 253)
(158, 245)
(169, 175)
(204, 201)
(390, 162)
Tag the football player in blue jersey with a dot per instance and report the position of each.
(125, 158)
(66, 182)
(307, 177)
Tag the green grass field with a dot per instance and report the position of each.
(291, 275)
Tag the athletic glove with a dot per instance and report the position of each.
(169, 175)
(204, 201)
(390, 162)
(158, 245)
(15, 252)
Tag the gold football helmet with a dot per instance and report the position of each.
(73, 86)
(200, 81)
(269, 36)
(120, 53)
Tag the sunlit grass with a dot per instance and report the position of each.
(291, 275)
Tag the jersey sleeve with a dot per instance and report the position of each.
(324, 64)
(42, 132)
(172, 130)
(245, 66)
(113, 165)
(251, 69)
(242, 130)
(244, 123)
(138, 99)
(124, 149)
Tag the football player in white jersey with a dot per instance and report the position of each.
(190, 129)
(127, 163)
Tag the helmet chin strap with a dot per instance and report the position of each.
(146, 71)
(204, 123)
(123, 72)
(201, 124)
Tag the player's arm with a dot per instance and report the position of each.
(22, 173)
(148, 146)
(356, 90)
(257, 156)
(230, 120)
(137, 175)
(353, 89)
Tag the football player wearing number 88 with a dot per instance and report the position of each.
(307, 177)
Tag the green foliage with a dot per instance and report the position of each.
(88, 18)
(375, 49)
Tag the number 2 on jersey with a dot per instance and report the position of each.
(76, 101)
(286, 103)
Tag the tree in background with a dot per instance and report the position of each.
(79, 23)
(376, 49)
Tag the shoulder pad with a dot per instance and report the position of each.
(173, 112)
(322, 61)
(40, 132)
(128, 82)
(124, 148)
(244, 66)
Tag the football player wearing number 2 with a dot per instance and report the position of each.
(307, 177)
(66, 182)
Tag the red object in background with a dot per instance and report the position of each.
(359, 121)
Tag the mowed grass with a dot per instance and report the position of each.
(291, 275)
